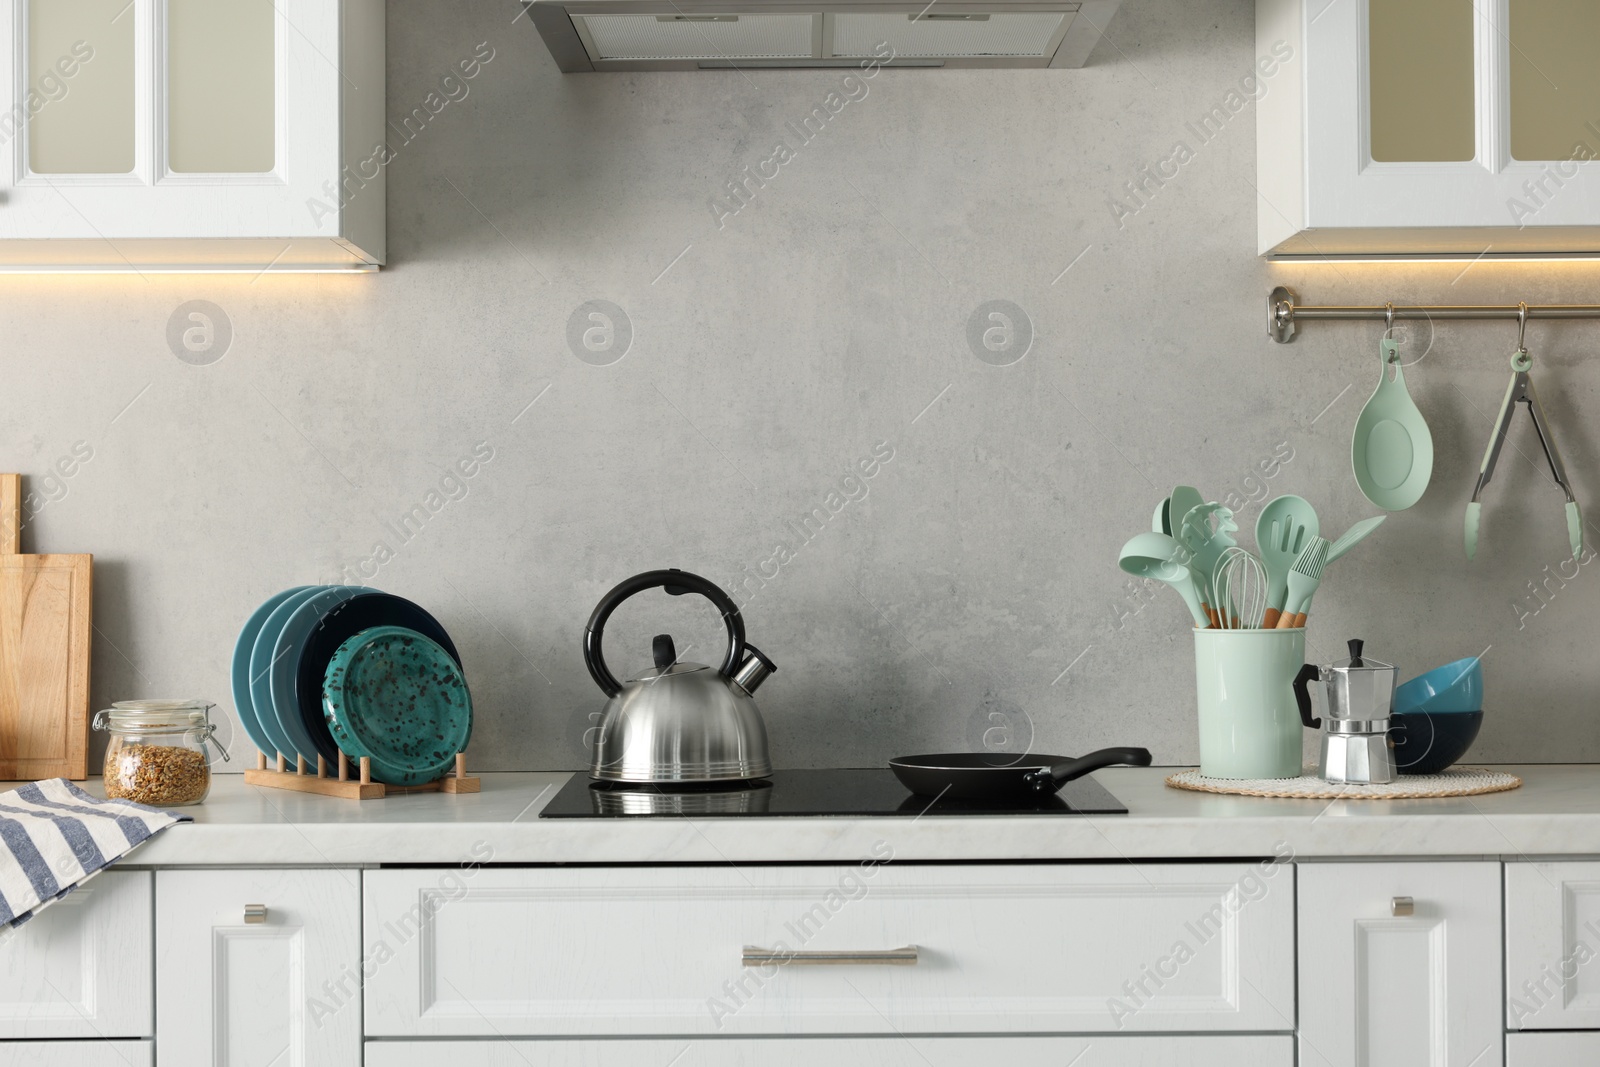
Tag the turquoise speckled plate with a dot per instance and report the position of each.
(394, 696)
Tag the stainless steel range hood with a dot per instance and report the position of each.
(609, 35)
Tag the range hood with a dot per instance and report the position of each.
(613, 35)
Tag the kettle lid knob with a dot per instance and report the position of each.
(1355, 644)
(663, 651)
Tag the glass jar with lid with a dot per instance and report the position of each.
(158, 754)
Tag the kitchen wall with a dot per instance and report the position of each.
(769, 350)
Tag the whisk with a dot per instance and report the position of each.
(1240, 581)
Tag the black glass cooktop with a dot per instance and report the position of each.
(865, 792)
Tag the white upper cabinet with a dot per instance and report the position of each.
(192, 135)
(1428, 126)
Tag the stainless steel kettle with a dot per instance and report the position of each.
(679, 721)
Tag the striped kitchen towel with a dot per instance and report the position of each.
(54, 837)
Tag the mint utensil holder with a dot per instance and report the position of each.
(1249, 723)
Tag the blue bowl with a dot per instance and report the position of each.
(1455, 687)
(1428, 742)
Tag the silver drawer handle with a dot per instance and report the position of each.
(255, 913)
(1402, 906)
(886, 957)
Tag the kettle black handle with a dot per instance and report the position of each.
(1308, 674)
(676, 583)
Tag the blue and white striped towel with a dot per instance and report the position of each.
(54, 837)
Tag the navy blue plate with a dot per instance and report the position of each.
(339, 625)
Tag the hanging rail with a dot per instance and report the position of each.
(1284, 313)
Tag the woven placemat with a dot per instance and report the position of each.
(1458, 782)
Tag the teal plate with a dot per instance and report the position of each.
(399, 699)
(239, 673)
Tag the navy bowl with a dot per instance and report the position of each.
(1428, 742)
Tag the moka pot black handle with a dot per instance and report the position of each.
(676, 583)
(1308, 673)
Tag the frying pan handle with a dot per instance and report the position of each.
(677, 583)
(1049, 779)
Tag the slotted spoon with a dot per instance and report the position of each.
(1283, 529)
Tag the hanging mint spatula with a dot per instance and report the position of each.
(1392, 450)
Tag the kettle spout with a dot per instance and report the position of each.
(754, 670)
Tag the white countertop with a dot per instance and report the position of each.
(1555, 813)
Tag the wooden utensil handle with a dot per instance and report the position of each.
(1299, 619)
(10, 514)
(1285, 621)
(1269, 621)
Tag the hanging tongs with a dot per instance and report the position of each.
(1521, 391)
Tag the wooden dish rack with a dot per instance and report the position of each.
(361, 787)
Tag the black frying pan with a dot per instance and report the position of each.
(1003, 775)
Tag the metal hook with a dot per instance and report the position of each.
(1388, 317)
(1522, 325)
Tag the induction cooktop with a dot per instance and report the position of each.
(848, 792)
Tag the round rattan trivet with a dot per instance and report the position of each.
(1457, 782)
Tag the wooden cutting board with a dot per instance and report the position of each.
(44, 654)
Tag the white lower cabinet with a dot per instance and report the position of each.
(1574, 1049)
(1553, 946)
(1049, 948)
(1262, 1050)
(81, 967)
(1154, 965)
(282, 991)
(96, 1053)
(1384, 986)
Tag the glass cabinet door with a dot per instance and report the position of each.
(221, 86)
(1421, 83)
(1554, 79)
(79, 103)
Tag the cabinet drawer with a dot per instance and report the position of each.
(77, 1054)
(81, 967)
(1552, 946)
(1262, 1050)
(1068, 948)
(1548, 1050)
